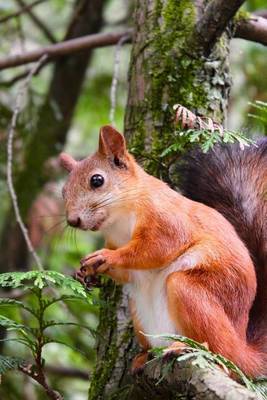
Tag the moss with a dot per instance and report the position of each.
(173, 72)
(242, 15)
(109, 296)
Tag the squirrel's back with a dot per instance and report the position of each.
(234, 182)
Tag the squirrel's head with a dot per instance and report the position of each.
(97, 186)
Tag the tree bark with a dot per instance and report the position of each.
(165, 69)
(49, 135)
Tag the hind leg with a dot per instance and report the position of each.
(197, 314)
(141, 358)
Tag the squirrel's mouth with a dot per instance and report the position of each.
(97, 226)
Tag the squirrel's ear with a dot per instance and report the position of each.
(67, 162)
(111, 142)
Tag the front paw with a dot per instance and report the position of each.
(95, 263)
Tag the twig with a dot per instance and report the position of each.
(115, 77)
(21, 11)
(17, 109)
(15, 79)
(261, 13)
(253, 28)
(37, 21)
(38, 376)
(63, 48)
(215, 19)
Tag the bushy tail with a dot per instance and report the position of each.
(234, 182)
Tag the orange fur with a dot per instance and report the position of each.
(210, 279)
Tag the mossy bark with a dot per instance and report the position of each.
(166, 68)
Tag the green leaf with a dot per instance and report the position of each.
(41, 279)
(49, 340)
(24, 330)
(12, 302)
(48, 324)
(20, 341)
(49, 302)
(7, 363)
(10, 324)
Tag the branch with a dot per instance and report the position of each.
(37, 21)
(187, 380)
(21, 11)
(215, 19)
(253, 28)
(63, 48)
(261, 13)
(38, 375)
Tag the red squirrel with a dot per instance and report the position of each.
(187, 269)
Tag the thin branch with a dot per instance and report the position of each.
(17, 109)
(253, 28)
(15, 79)
(38, 376)
(215, 19)
(63, 48)
(37, 21)
(261, 13)
(21, 11)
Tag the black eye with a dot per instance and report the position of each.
(96, 181)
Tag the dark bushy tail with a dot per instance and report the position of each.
(234, 182)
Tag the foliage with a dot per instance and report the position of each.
(204, 358)
(260, 107)
(35, 336)
(205, 138)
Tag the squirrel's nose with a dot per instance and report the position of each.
(74, 220)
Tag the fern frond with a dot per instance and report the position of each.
(203, 131)
(204, 358)
(7, 363)
(41, 279)
(11, 302)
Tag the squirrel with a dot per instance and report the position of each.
(191, 268)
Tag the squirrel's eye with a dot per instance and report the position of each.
(96, 181)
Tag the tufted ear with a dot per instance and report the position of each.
(67, 162)
(111, 142)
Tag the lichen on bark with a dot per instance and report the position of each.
(166, 69)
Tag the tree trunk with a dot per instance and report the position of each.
(49, 136)
(167, 67)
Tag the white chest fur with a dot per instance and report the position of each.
(148, 293)
(120, 229)
(148, 290)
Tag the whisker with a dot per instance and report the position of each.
(60, 235)
(127, 195)
(53, 226)
(50, 215)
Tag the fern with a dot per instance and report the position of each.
(261, 111)
(35, 337)
(42, 279)
(204, 358)
(7, 363)
(206, 139)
